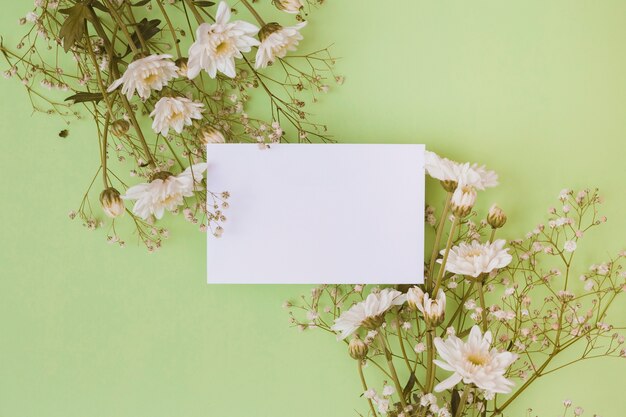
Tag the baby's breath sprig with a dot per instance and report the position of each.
(125, 63)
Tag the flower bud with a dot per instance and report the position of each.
(288, 6)
(434, 310)
(160, 175)
(357, 348)
(181, 64)
(119, 127)
(111, 202)
(268, 29)
(463, 201)
(449, 185)
(414, 297)
(209, 134)
(496, 217)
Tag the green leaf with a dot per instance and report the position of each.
(84, 97)
(147, 28)
(141, 3)
(73, 27)
(203, 3)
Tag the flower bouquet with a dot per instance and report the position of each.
(161, 79)
(490, 319)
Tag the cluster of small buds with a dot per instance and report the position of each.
(429, 214)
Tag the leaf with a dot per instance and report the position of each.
(84, 97)
(147, 28)
(140, 3)
(409, 385)
(455, 401)
(97, 5)
(73, 27)
(203, 3)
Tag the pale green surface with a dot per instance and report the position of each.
(534, 89)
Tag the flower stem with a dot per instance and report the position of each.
(442, 222)
(254, 12)
(483, 313)
(442, 268)
(369, 400)
(171, 27)
(463, 401)
(430, 351)
(392, 369)
(195, 11)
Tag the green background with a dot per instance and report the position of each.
(534, 89)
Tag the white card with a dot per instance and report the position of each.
(318, 213)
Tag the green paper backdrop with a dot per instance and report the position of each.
(534, 89)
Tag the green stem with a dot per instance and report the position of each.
(463, 401)
(171, 27)
(442, 268)
(369, 400)
(430, 351)
(392, 369)
(442, 222)
(483, 305)
(254, 12)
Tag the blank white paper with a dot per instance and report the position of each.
(318, 213)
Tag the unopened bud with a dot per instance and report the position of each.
(268, 29)
(496, 217)
(414, 297)
(463, 201)
(181, 64)
(161, 175)
(288, 6)
(209, 134)
(120, 127)
(357, 348)
(449, 185)
(112, 203)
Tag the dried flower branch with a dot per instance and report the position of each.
(128, 66)
(502, 317)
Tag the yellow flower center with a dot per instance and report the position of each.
(476, 359)
(222, 48)
(151, 78)
(473, 253)
(176, 116)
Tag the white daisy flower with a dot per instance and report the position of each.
(444, 169)
(476, 258)
(473, 362)
(369, 313)
(144, 75)
(165, 191)
(175, 113)
(276, 42)
(218, 44)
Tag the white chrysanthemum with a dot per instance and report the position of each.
(474, 362)
(476, 258)
(144, 75)
(175, 113)
(369, 312)
(165, 192)
(277, 44)
(218, 44)
(444, 169)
